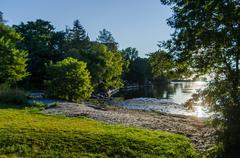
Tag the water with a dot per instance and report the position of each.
(164, 97)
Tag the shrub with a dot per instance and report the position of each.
(12, 95)
(69, 80)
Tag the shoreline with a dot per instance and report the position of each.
(201, 135)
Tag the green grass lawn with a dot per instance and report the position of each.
(25, 133)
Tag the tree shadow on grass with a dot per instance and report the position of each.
(13, 106)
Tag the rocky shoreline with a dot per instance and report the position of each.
(201, 135)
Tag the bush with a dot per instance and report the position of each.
(69, 80)
(12, 95)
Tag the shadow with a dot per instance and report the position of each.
(11, 106)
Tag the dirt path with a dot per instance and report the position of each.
(202, 136)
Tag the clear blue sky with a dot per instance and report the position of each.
(135, 23)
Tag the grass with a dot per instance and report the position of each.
(28, 133)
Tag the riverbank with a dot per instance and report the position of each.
(201, 135)
(27, 132)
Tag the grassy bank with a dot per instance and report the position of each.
(25, 133)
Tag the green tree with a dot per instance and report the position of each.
(130, 53)
(43, 45)
(162, 65)
(77, 37)
(12, 60)
(70, 80)
(139, 71)
(105, 37)
(207, 41)
(105, 67)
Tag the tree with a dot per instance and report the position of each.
(12, 60)
(105, 37)
(105, 67)
(77, 37)
(162, 65)
(139, 71)
(130, 53)
(70, 80)
(206, 41)
(43, 45)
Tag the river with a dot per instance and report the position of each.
(164, 97)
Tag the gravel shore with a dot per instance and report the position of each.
(201, 135)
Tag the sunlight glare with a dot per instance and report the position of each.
(199, 111)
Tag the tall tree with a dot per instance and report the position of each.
(139, 71)
(130, 53)
(105, 37)
(38, 41)
(78, 39)
(12, 60)
(105, 67)
(207, 40)
(162, 65)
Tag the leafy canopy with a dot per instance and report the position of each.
(105, 37)
(69, 79)
(12, 60)
(130, 53)
(43, 45)
(76, 37)
(162, 65)
(206, 41)
(105, 66)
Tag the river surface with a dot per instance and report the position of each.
(164, 97)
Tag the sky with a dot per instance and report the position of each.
(133, 23)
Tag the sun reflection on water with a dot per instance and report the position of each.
(199, 111)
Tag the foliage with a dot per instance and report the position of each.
(130, 54)
(76, 37)
(207, 41)
(27, 134)
(105, 37)
(136, 69)
(69, 79)
(77, 41)
(43, 45)
(105, 67)
(162, 65)
(10, 95)
(12, 60)
(139, 71)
